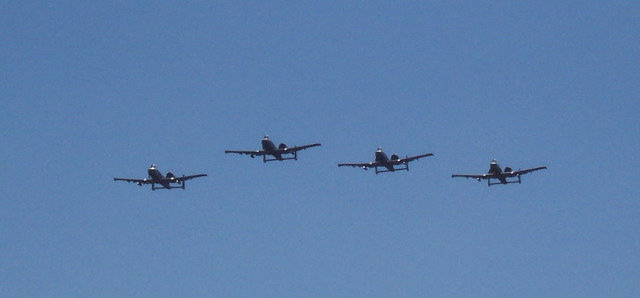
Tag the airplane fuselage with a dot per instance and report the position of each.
(383, 159)
(276, 151)
(157, 177)
(270, 148)
(495, 169)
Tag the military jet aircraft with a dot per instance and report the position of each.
(268, 148)
(155, 177)
(382, 160)
(495, 172)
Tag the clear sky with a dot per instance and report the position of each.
(90, 91)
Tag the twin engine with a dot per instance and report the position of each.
(395, 157)
(172, 177)
(282, 146)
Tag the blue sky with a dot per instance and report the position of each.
(91, 91)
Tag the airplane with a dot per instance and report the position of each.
(268, 148)
(382, 160)
(495, 172)
(155, 177)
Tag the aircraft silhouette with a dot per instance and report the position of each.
(268, 148)
(382, 160)
(155, 177)
(495, 172)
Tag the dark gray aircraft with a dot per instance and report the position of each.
(382, 160)
(155, 177)
(268, 148)
(495, 172)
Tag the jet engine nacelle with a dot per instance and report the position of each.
(282, 146)
(170, 175)
(508, 169)
(395, 157)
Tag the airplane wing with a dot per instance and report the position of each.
(525, 171)
(474, 176)
(298, 148)
(252, 153)
(183, 178)
(412, 158)
(360, 165)
(138, 181)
